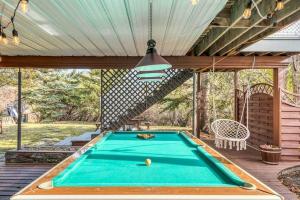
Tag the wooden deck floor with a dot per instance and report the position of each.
(250, 161)
(14, 177)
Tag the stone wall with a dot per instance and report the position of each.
(25, 156)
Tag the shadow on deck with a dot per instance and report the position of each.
(250, 161)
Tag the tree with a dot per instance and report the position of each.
(296, 74)
(202, 99)
(8, 77)
(180, 102)
(63, 95)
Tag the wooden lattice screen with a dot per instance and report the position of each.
(261, 119)
(123, 97)
(260, 113)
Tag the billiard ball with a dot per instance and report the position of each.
(148, 162)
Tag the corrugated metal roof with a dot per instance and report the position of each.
(107, 27)
(285, 40)
(291, 31)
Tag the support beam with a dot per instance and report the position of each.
(236, 106)
(277, 83)
(197, 105)
(19, 134)
(265, 8)
(194, 120)
(247, 53)
(291, 8)
(263, 53)
(253, 39)
(216, 33)
(219, 22)
(213, 35)
(1, 126)
(282, 24)
(115, 62)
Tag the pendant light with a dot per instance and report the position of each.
(152, 61)
(151, 67)
(149, 74)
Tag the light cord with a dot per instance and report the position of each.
(258, 11)
(150, 19)
(12, 19)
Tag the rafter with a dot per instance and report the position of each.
(280, 25)
(265, 8)
(215, 33)
(263, 53)
(284, 17)
(246, 53)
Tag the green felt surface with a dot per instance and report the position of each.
(118, 160)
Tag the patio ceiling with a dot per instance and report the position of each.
(113, 33)
(107, 27)
(229, 32)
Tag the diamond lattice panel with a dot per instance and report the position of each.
(123, 97)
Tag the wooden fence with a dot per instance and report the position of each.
(260, 113)
(290, 125)
(260, 118)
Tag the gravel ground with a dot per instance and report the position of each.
(290, 177)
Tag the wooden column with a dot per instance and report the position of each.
(277, 83)
(101, 102)
(1, 126)
(19, 135)
(197, 110)
(194, 104)
(236, 106)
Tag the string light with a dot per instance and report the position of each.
(247, 11)
(194, 2)
(15, 34)
(279, 5)
(4, 38)
(16, 38)
(24, 5)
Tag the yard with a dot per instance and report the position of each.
(47, 134)
(35, 134)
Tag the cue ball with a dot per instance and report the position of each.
(148, 162)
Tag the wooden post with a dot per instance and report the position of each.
(197, 110)
(19, 136)
(277, 83)
(194, 104)
(1, 126)
(236, 106)
(101, 102)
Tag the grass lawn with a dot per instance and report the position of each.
(34, 134)
(47, 134)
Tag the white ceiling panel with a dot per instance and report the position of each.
(107, 27)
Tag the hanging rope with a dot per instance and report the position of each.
(150, 20)
(246, 101)
(258, 11)
(230, 132)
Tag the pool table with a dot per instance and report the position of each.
(168, 165)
